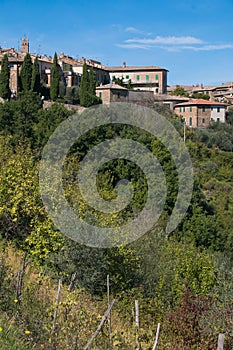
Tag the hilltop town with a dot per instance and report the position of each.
(197, 104)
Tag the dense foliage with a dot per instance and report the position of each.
(54, 87)
(5, 78)
(35, 83)
(183, 280)
(26, 73)
(87, 88)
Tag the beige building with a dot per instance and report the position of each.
(199, 113)
(150, 78)
(220, 93)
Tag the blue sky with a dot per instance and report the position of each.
(192, 39)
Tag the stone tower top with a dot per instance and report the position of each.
(25, 45)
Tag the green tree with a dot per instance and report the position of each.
(84, 88)
(5, 78)
(87, 88)
(229, 116)
(26, 73)
(129, 84)
(201, 95)
(62, 89)
(54, 88)
(92, 82)
(118, 81)
(35, 84)
(179, 91)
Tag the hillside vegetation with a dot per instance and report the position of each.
(182, 280)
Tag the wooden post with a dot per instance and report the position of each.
(156, 337)
(221, 337)
(109, 316)
(137, 324)
(20, 278)
(88, 346)
(72, 281)
(56, 306)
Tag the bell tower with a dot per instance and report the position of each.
(25, 45)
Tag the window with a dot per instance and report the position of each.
(218, 109)
(203, 109)
(190, 108)
(147, 77)
(11, 65)
(156, 77)
(190, 121)
(138, 77)
(183, 109)
(127, 77)
(203, 120)
(100, 94)
(218, 120)
(118, 95)
(113, 77)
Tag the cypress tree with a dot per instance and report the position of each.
(5, 78)
(35, 84)
(87, 88)
(54, 87)
(84, 88)
(26, 73)
(92, 82)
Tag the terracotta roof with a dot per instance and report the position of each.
(111, 86)
(200, 102)
(134, 68)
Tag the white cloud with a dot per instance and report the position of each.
(134, 46)
(172, 43)
(211, 47)
(132, 30)
(168, 40)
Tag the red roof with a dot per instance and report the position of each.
(200, 102)
(111, 86)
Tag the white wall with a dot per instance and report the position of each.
(221, 115)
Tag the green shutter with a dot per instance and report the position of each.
(156, 77)
(147, 77)
(138, 77)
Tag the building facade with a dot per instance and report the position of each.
(150, 78)
(199, 113)
(112, 93)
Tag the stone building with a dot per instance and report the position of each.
(200, 112)
(112, 93)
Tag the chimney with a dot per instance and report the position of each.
(25, 45)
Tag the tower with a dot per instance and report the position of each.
(25, 45)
